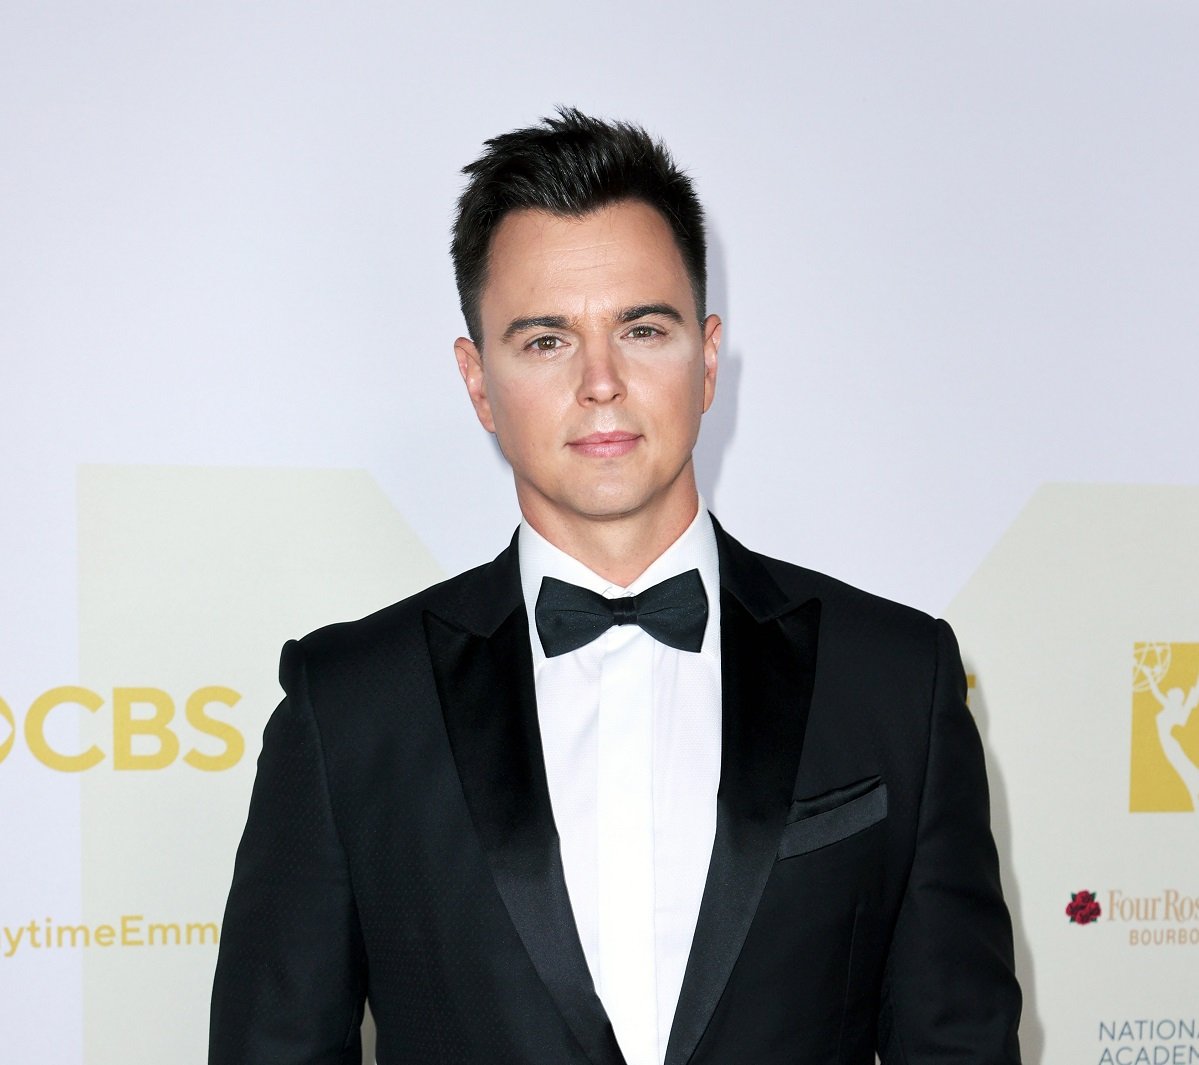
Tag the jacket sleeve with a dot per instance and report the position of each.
(949, 992)
(290, 976)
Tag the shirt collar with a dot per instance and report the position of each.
(694, 549)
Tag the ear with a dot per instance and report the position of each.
(470, 366)
(712, 332)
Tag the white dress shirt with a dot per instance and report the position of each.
(631, 731)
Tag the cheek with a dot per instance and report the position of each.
(675, 399)
(523, 415)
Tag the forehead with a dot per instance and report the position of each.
(619, 252)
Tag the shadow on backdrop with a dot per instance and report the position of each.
(720, 423)
(1032, 1030)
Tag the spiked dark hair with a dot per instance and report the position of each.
(571, 164)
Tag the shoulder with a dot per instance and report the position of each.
(394, 633)
(863, 618)
(842, 597)
(859, 632)
(884, 670)
(839, 600)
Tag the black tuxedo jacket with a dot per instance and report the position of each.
(400, 846)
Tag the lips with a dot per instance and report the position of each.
(605, 445)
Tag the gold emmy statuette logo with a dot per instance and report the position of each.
(1165, 728)
(8, 730)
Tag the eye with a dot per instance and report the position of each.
(643, 331)
(544, 343)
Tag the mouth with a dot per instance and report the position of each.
(605, 445)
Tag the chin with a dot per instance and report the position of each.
(607, 511)
(602, 505)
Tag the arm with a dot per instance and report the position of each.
(1192, 699)
(1157, 692)
(950, 991)
(290, 977)
(1179, 760)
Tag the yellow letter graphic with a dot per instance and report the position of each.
(35, 729)
(235, 746)
(125, 726)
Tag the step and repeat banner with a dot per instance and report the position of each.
(956, 248)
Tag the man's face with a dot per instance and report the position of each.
(594, 370)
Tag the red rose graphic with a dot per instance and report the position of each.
(1083, 908)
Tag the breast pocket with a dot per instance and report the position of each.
(833, 816)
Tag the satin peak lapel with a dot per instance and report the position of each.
(484, 673)
(768, 657)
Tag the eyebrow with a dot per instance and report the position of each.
(537, 321)
(557, 321)
(663, 310)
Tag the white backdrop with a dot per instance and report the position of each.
(956, 247)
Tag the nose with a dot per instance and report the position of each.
(602, 372)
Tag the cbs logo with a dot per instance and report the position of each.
(145, 734)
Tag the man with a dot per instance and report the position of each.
(629, 793)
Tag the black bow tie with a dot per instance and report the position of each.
(674, 612)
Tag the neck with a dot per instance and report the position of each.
(621, 547)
